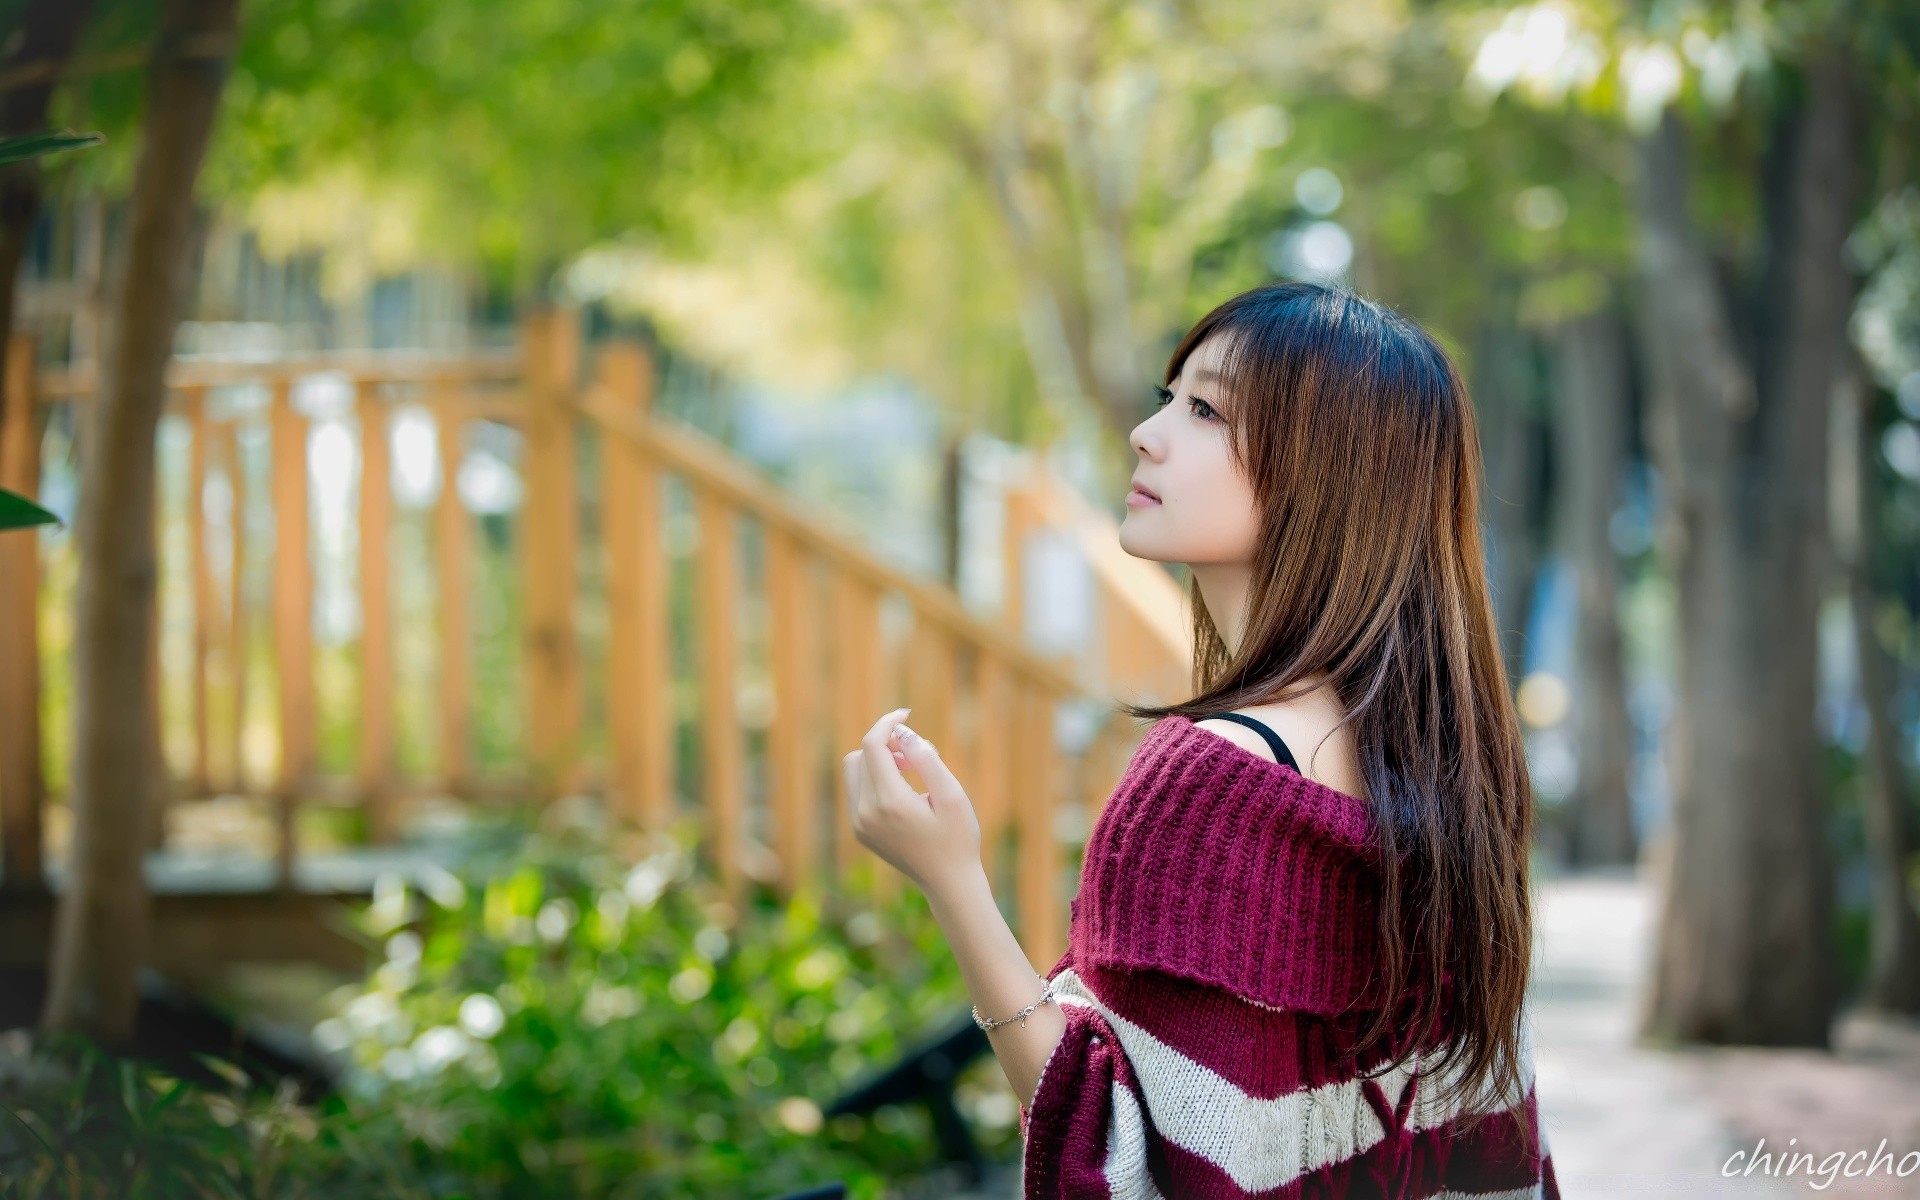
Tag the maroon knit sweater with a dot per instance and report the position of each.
(1218, 974)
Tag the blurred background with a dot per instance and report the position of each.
(502, 455)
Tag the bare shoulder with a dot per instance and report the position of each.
(1308, 726)
(1239, 735)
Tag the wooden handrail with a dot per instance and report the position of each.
(694, 454)
(373, 366)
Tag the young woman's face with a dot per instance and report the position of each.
(1205, 513)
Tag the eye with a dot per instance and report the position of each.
(1200, 408)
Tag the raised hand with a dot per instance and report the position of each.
(931, 837)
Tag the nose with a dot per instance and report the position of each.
(1139, 441)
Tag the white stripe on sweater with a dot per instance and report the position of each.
(1126, 1165)
(1260, 1144)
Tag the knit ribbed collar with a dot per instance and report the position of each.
(1219, 865)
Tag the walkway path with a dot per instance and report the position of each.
(1623, 1121)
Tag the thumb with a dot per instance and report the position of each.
(925, 758)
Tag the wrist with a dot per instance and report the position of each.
(959, 888)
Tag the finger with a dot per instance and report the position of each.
(881, 769)
(850, 776)
(876, 735)
(925, 757)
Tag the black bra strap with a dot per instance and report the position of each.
(1274, 743)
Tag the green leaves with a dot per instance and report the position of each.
(18, 512)
(588, 995)
(598, 1022)
(33, 145)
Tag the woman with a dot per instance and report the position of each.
(1286, 975)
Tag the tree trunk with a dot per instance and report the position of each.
(1745, 948)
(99, 934)
(1502, 388)
(1591, 390)
(1893, 972)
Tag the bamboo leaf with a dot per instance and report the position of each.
(33, 145)
(18, 512)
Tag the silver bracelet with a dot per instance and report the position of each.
(1020, 1016)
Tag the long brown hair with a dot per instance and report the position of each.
(1358, 439)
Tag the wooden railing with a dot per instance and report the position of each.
(1141, 646)
(795, 649)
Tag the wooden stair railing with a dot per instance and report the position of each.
(976, 692)
(843, 636)
(1142, 645)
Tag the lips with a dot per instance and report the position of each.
(1144, 490)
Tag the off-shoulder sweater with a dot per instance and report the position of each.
(1218, 973)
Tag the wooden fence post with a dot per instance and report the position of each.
(858, 688)
(237, 604)
(1040, 906)
(549, 540)
(22, 784)
(639, 711)
(1021, 517)
(993, 758)
(200, 782)
(716, 607)
(376, 616)
(453, 538)
(292, 615)
(791, 746)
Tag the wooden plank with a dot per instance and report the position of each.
(375, 366)
(453, 547)
(858, 692)
(1019, 520)
(549, 540)
(791, 740)
(376, 616)
(930, 682)
(201, 780)
(22, 782)
(192, 934)
(237, 608)
(167, 786)
(292, 614)
(992, 759)
(639, 714)
(717, 605)
(1041, 910)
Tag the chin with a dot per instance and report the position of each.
(1141, 547)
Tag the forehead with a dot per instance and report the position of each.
(1207, 364)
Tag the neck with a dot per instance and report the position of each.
(1223, 589)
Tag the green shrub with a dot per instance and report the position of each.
(555, 1017)
(559, 1018)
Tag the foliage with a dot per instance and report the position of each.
(527, 129)
(82, 1124)
(33, 145)
(18, 512)
(564, 1015)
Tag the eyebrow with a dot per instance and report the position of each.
(1203, 375)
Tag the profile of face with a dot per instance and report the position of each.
(1204, 514)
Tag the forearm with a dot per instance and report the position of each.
(1000, 980)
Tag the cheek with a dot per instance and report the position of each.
(1220, 526)
(1212, 519)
